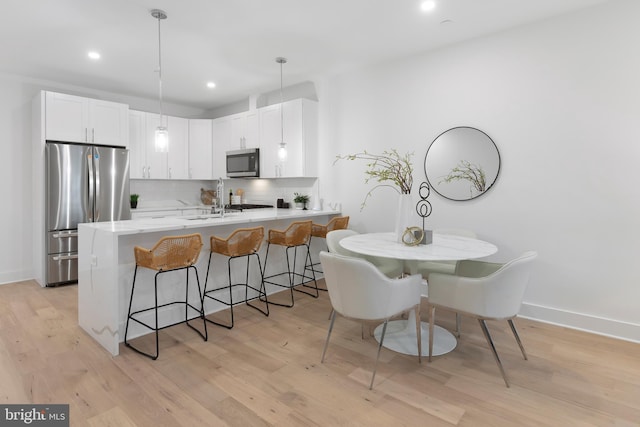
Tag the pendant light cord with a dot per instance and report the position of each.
(281, 106)
(160, 69)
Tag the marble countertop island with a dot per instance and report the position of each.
(106, 262)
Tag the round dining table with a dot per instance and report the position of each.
(401, 334)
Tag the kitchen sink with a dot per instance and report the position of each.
(207, 216)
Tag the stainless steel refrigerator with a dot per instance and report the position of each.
(85, 183)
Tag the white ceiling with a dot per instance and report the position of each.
(235, 42)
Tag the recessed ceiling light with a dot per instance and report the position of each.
(93, 55)
(211, 85)
(428, 5)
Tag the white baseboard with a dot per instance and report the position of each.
(15, 276)
(583, 322)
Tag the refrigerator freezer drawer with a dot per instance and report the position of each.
(62, 268)
(62, 241)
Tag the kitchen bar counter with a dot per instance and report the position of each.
(106, 264)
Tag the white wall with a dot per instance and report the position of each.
(561, 100)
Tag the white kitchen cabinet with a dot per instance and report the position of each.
(73, 118)
(137, 145)
(221, 140)
(178, 156)
(144, 162)
(245, 131)
(157, 163)
(200, 149)
(300, 130)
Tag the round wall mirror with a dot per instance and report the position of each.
(462, 163)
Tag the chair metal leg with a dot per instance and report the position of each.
(515, 334)
(157, 327)
(326, 343)
(262, 291)
(187, 305)
(303, 276)
(419, 332)
(133, 286)
(432, 320)
(483, 325)
(375, 367)
(458, 324)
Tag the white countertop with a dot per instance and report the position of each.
(144, 225)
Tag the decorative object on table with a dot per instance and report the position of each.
(390, 169)
(462, 163)
(207, 197)
(413, 236)
(300, 200)
(133, 198)
(424, 208)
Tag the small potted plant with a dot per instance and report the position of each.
(134, 200)
(300, 200)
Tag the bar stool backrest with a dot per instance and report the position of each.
(170, 253)
(298, 233)
(243, 241)
(336, 223)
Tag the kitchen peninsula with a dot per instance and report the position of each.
(106, 264)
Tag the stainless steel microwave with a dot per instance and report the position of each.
(243, 163)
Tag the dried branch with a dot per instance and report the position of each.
(467, 171)
(388, 166)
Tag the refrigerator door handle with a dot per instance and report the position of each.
(91, 187)
(64, 257)
(96, 205)
(64, 235)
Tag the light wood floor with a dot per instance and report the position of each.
(267, 371)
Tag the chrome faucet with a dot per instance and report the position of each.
(220, 196)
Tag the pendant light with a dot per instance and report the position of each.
(282, 147)
(162, 134)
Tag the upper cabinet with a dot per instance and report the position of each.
(178, 156)
(144, 162)
(200, 149)
(221, 144)
(77, 119)
(299, 127)
(245, 131)
(137, 145)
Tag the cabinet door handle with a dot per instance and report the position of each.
(86, 135)
(144, 172)
(93, 135)
(149, 172)
(190, 173)
(169, 173)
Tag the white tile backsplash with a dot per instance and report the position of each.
(154, 193)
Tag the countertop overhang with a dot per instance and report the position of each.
(144, 225)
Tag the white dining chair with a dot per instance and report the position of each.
(358, 290)
(389, 267)
(446, 267)
(487, 291)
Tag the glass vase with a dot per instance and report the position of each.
(406, 215)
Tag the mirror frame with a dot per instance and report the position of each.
(437, 187)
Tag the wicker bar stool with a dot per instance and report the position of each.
(296, 235)
(171, 253)
(242, 243)
(320, 231)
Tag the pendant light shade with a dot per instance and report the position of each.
(282, 147)
(162, 134)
